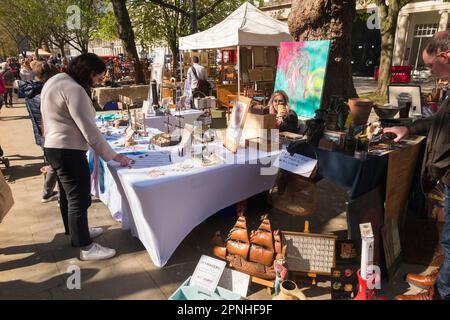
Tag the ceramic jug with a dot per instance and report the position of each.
(290, 291)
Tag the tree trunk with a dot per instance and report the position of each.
(126, 34)
(332, 20)
(193, 16)
(62, 48)
(173, 45)
(388, 18)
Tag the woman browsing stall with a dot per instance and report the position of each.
(69, 128)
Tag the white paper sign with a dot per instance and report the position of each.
(297, 164)
(207, 273)
(235, 281)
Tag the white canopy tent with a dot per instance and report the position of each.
(246, 26)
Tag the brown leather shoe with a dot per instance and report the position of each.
(424, 282)
(424, 295)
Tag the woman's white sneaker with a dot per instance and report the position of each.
(96, 252)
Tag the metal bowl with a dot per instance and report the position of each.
(387, 111)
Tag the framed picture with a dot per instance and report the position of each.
(309, 252)
(301, 74)
(237, 121)
(392, 247)
(414, 91)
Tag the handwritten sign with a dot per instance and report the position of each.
(297, 164)
(207, 273)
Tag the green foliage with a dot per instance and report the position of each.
(45, 21)
(155, 24)
(107, 28)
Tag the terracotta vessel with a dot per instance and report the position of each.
(290, 291)
(360, 110)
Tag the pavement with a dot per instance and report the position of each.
(37, 260)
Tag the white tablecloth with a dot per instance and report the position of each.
(161, 211)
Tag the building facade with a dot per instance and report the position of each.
(418, 21)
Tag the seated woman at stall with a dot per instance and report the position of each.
(287, 119)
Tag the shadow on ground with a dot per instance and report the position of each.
(14, 173)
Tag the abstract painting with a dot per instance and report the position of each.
(301, 74)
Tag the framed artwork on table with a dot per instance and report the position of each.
(414, 90)
(236, 125)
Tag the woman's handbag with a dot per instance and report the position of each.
(6, 197)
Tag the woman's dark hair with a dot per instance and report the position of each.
(81, 68)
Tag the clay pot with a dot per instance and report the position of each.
(360, 110)
(290, 291)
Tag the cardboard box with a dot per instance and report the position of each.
(255, 123)
(262, 144)
(255, 75)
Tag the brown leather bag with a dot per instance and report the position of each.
(6, 197)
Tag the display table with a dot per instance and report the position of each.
(104, 95)
(379, 186)
(162, 209)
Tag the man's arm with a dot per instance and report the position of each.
(421, 126)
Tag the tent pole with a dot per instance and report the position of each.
(239, 69)
(253, 65)
(181, 65)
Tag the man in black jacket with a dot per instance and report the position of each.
(436, 165)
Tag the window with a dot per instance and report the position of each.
(425, 30)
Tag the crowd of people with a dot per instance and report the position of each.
(14, 69)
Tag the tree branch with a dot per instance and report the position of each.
(170, 6)
(210, 9)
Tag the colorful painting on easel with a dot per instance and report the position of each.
(301, 74)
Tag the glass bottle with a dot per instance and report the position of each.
(350, 141)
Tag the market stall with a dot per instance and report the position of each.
(107, 97)
(247, 41)
(140, 195)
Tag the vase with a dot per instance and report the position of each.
(289, 291)
(360, 110)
